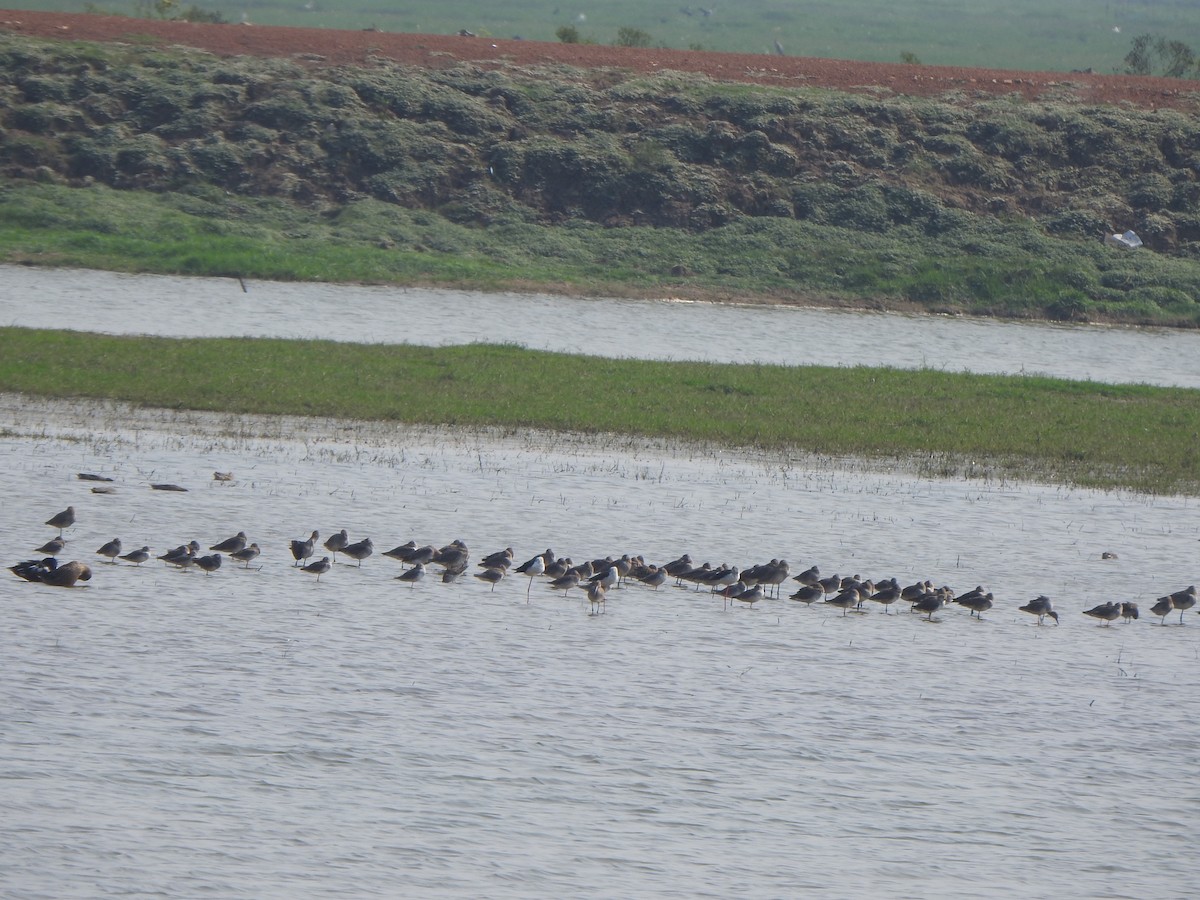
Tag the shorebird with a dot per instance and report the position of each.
(337, 542)
(451, 573)
(1162, 608)
(978, 603)
(809, 594)
(595, 595)
(359, 550)
(112, 550)
(1129, 611)
(137, 557)
(532, 569)
(558, 568)
(655, 577)
(232, 545)
(773, 574)
(676, 567)
(209, 564)
(1041, 607)
(492, 576)
(751, 596)
(319, 568)
(246, 555)
(928, 603)
(52, 547)
(1108, 612)
(401, 552)
(413, 575)
(67, 575)
(454, 555)
(730, 591)
(544, 559)
(183, 555)
(501, 559)
(565, 582)
(1183, 600)
(887, 593)
(844, 600)
(302, 550)
(810, 576)
(34, 569)
(719, 579)
(607, 578)
(64, 519)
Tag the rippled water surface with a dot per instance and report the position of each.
(122, 304)
(257, 733)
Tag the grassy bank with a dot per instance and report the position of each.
(598, 181)
(952, 424)
(1001, 269)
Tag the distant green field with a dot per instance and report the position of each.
(1059, 35)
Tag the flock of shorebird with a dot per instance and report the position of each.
(595, 578)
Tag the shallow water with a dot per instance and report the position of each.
(256, 733)
(212, 307)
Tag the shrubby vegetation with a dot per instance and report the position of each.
(994, 206)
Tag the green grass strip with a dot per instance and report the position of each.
(1133, 436)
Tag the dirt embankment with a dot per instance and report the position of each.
(429, 50)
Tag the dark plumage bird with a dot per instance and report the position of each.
(233, 544)
(67, 575)
(928, 603)
(595, 594)
(751, 595)
(1183, 600)
(809, 593)
(336, 542)
(501, 559)
(112, 550)
(209, 564)
(34, 569)
(655, 577)
(302, 550)
(319, 568)
(401, 552)
(887, 593)
(1041, 607)
(492, 576)
(1129, 611)
(359, 550)
(844, 600)
(454, 555)
(52, 547)
(450, 575)
(64, 519)
(1107, 612)
(1162, 608)
(413, 575)
(137, 557)
(246, 554)
(565, 582)
(976, 602)
(183, 555)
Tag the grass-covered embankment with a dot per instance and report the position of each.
(1139, 437)
(598, 181)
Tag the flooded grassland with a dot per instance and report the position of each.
(258, 731)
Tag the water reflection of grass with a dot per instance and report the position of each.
(954, 424)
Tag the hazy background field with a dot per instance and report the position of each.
(1055, 35)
